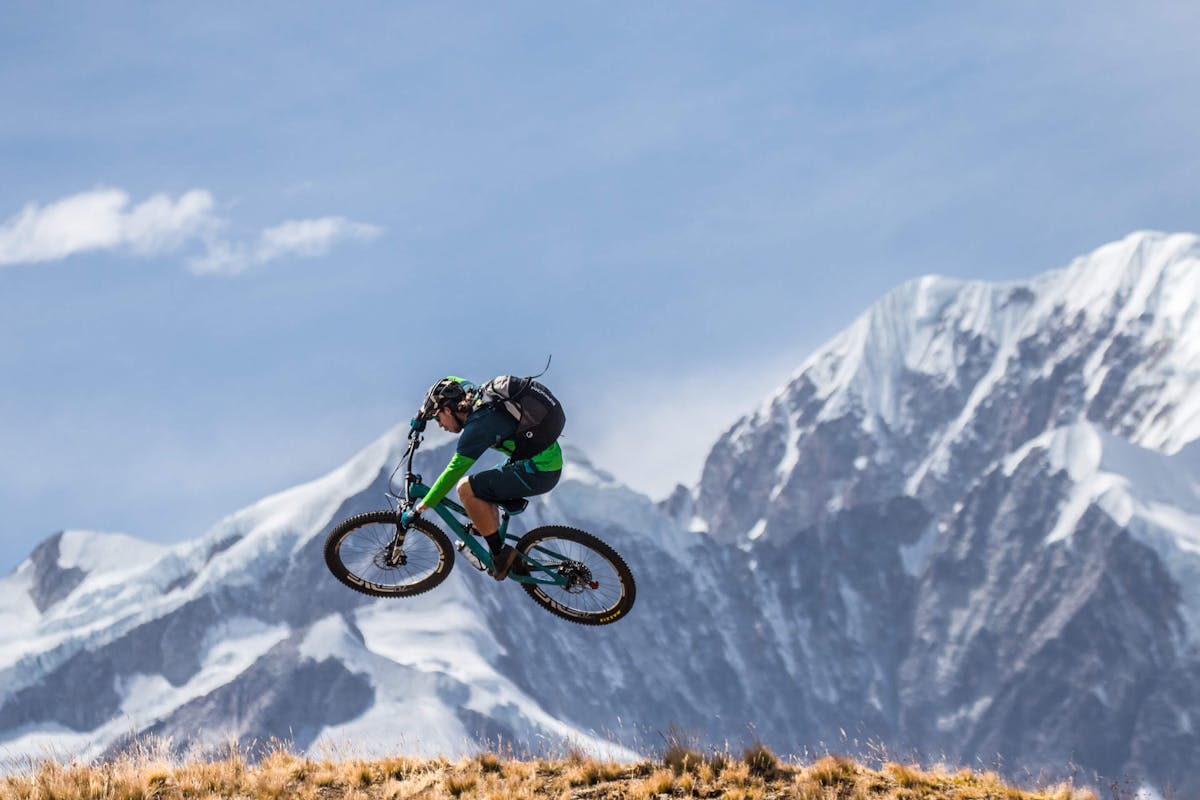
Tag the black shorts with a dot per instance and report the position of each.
(519, 479)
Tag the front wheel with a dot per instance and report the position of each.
(593, 585)
(362, 553)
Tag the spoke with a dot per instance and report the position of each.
(364, 553)
(566, 556)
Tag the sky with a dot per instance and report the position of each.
(239, 241)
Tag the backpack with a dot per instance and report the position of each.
(539, 415)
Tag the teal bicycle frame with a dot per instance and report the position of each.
(447, 508)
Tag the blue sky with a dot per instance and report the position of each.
(237, 241)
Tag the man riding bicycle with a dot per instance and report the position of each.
(460, 407)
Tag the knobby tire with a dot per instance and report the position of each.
(606, 603)
(354, 553)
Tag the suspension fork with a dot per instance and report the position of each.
(395, 549)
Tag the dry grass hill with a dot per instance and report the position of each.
(758, 774)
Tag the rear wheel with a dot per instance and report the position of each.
(361, 553)
(597, 586)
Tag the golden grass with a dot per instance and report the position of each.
(758, 775)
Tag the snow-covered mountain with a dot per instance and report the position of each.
(969, 527)
(1047, 610)
(942, 377)
(245, 634)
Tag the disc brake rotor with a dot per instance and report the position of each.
(383, 562)
(579, 577)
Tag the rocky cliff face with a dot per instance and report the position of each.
(1047, 611)
(968, 528)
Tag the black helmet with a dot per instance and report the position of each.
(449, 390)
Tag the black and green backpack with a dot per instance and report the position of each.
(539, 415)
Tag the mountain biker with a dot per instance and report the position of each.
(456, 405)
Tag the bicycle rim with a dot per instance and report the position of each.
(597, 585)
(358, 554)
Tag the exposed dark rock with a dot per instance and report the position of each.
(282, 696)
(52, 582)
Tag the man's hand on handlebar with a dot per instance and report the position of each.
(410, 515)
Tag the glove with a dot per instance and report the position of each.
(409, 516)
(417, 424)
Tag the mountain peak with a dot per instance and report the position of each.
(943, 375)
(1145, 275)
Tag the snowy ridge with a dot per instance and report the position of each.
(430, 662)
(103, 564)
(1148, 284)
(279, 525)
(229, 650)
(1123, 321)
(129, 579)
(1151, 282)
(902, 331)
(1155, 496)
(112, 553)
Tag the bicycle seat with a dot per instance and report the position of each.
(514, 506)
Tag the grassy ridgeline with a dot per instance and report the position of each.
(758, 774)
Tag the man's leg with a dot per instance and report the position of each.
(480, 493)
(486, 518)
(485, 515)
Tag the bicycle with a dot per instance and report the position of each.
(567, 571)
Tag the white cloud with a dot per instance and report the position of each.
(306, 238)
(311, 237)
(103, 219)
